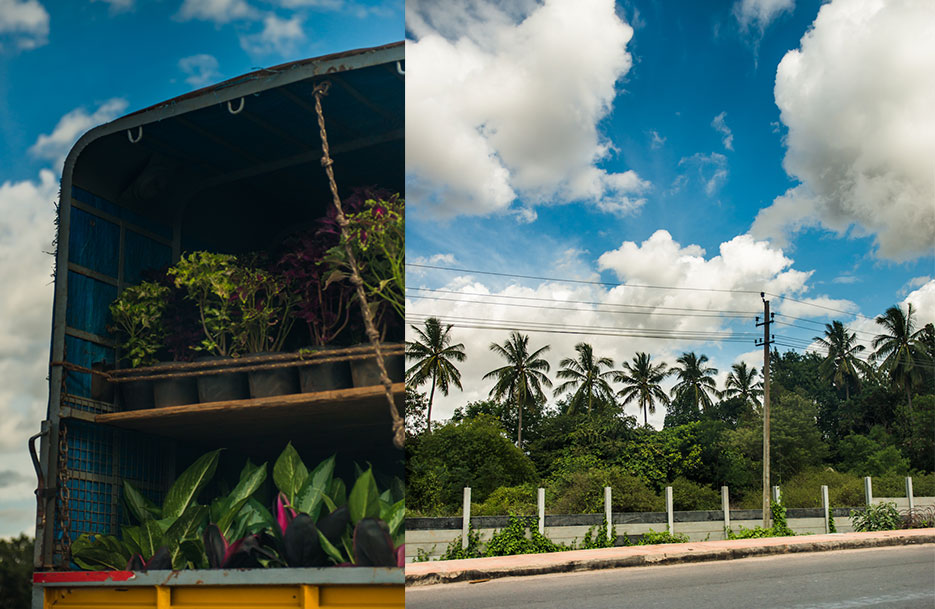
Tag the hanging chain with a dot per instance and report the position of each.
(64, 494)
(399, 432)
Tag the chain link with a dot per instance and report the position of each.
(399, 431)
(64, 494)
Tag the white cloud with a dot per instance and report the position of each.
(858, 101)
(279, 36)
(923, 303)
(119, 6)
(489, 119)
(330, 5)
(720, 125)
(25, 22)
(55, 146)
(217, 11)
(742, 268)
(758, 14)
(27, 226)
(657, 140)
(712, 171)
(846, 279)
(200, 70)
(916, 282)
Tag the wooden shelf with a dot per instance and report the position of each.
(358, 416)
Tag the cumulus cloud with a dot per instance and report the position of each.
(27, 216)
(217, 11)
(488, 120)
(279, 36)
(711, 168)
(858, 101)
(55, 146)
(24, 22)
(200, 70)
(758, 14)
(119, 6)
(741, 268)
(720, 125)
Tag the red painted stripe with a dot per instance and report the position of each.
(65, 577)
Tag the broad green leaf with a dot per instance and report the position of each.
(387, 497)
(249, 482)
(347, 542)
(131, 537)
(289, 472)
(185, 527)
(338, 492)
(189, 484)
(398, 487)
(251, 518)
(150, 538)
(363, 502)
(193, 552)
(329, 503)
(138, 505)
(329, 549)
(316, 485)
(393, 516)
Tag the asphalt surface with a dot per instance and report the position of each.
(900, 577)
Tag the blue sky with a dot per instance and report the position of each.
(796, 132)
(69, 65)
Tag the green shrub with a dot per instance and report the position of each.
(508, 500)
(877, 517)
(780, 526)
(521, 536)
(653, 537)
(582, 492)
(804, 489)
(596, 537)
(688, 495)
(454, 551)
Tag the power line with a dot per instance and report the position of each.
(579, 281)
(588, 302)
(579, 310)
(812, 304)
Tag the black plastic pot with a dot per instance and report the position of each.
(366, 372)
(175, 392)
(101, 388)
(223, 386)
(326, 376)
(275, 381)
(136, 395)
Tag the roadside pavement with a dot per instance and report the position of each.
(449, 571)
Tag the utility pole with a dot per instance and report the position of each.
(766, 342)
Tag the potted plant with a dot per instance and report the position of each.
(325, 310)
(137, 318)
(264, 319)
(209, 280)
(376, 234)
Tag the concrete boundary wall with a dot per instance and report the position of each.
(432, 535)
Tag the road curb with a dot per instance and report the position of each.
(444, 572)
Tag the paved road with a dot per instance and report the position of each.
(891, 578)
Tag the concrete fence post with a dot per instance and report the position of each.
(670, 520)
(466, 518)
(777, 495)
(912, 501)
(826, 507)
(725, 507)
(607, 510)
(868, 490)
(540, 501)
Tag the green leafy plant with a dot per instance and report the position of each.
(597, 537)
(377, 237)
(265, 310)
(521, 536)
(877, 517)
(138, 321)
(780, 526)
(653, 537)
(454, 551)
(210, 281)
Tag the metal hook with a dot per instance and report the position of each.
(231, 108)
(138, 137)
(399, 68)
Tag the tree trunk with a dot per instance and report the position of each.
(645, 416)
(428, 427)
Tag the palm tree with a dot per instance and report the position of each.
(585, 377)
(642, 380)
(902, 354)
(742, 383)
(522, 378)
(695, 380)
(841, 365)
(434, 353)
